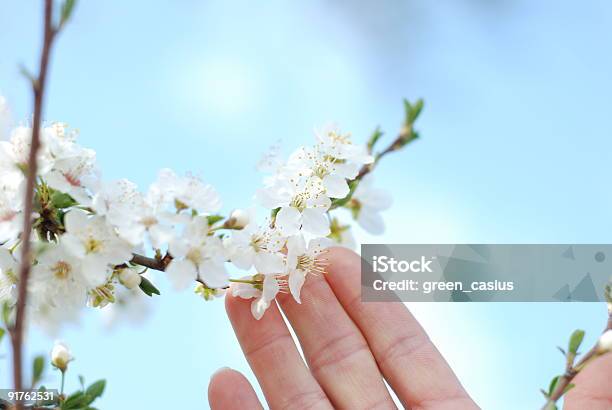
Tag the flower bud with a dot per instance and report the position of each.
(605, 342)
(239, 218)
(130, 278)
(60, 356)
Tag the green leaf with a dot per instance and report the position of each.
(76, 401)
(413, 111)
(213, 219)
(374, 138)
(27, 74)
(66, 11)
(2, 333)
(95, 390)
(553, 384)
(147, 287)
(62, 200)
(38, 366)
(416, 110)
(550, 406)
(82, 381)
(575, 341)
(6, 313)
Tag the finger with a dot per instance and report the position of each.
(230, 390)
(593, 389)
(409, 361)
(336, 351)
(274, 358)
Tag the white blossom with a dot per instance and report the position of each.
(197, 256)
(74, 174)
(132, 214)
(9, 271)
(303, 206)
(11, 214)
(94, 242)
(303, 260)
(91, 247)
(258, 247)
(58, 279)
(61, 356)
(188, 191)
(338, 145)
(367, 203)
(330, 172)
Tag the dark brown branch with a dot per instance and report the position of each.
(38, 88)
(159, 264)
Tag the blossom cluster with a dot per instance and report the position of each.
(91, 236)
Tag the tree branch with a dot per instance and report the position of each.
(38, 88)
(159, 264)
(572, 371)
(405, 136)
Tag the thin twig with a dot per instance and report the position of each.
(572, 371)
(405, 136)
(38, 87)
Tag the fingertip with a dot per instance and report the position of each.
(342, 259)
(235, 305)
(229, 389)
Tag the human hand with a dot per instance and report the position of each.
(349, 346)
(593, 389)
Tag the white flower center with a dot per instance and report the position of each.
(149, 221)
(92, 245)
(340, 139)
(61, 270)
(195, 255)
(310, 264)
(299, 202)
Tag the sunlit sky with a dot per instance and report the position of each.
(515, 148)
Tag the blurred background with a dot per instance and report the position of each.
(515, 148)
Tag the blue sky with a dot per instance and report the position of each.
(515, 148)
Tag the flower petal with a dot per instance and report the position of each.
(95, 270)
(270, 288)
(245, 290)
(269, 262)
(288, 220)
(214, 274)
(180, 273)
(335, 186)
(296, 281)
(259, 307)
(315, 222)
(370, 220)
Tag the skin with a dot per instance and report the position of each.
(350, 347)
